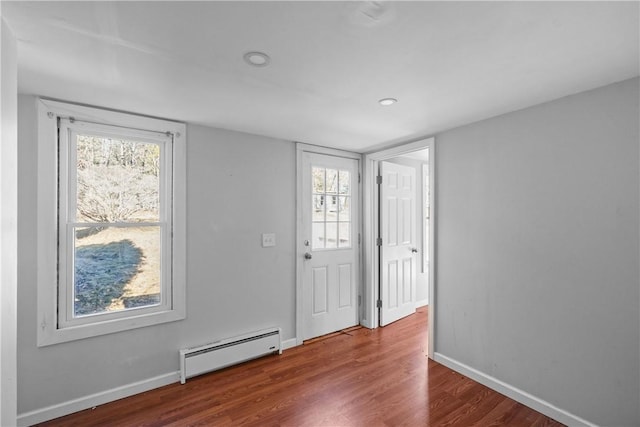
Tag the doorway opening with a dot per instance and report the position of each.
(392, 260)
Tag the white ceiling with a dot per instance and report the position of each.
(448, 63)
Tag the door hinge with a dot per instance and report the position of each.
(359, 238)
(379, 303)
(359, 300)
(379, 241)
(379, 179)
(359, 177)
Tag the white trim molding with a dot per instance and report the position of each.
(104, 397)
(370, 222)
(302, 148)
(93, 400)
(514, 393)
(290, 343)
(50, 329)
(422, 303)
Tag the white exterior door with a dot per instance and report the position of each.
(330, 228)
(398, 249)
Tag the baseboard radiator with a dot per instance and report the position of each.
(220, 354)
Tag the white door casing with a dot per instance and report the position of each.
(371, 206)
(398, 249)
(329, 234)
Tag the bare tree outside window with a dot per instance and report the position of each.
(118, 180)
(116, 266)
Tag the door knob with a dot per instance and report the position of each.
(414, 250)
(307, 256)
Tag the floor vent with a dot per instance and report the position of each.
(210, 357)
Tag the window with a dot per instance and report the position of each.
(118, 214)
(331, 211)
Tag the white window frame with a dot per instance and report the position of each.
(56, 323)
(69, 129)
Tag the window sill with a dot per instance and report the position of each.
(49, 334)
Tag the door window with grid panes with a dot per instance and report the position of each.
(331, 210)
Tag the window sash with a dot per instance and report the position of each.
(67, 221)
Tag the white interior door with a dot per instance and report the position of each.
(398, 249)
(330, 229)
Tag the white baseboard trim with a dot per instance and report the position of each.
(368, 323)
(287, 344)
(514, 393)
(422, 302)
(86, 402)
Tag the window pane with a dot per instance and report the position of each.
(331, 235)
(332, 208)
(317, 177)
(318, 208)
(118, 180)
(317, 239)
(332, 181)
(345, 182)
(344, 208)
(345, 235)
(116, 268)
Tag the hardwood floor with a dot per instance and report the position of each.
(358, 377)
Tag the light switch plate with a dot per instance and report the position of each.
(268, 240)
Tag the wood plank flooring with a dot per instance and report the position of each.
(360, 377)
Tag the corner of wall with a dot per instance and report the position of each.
(9, 221)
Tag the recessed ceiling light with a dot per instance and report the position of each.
(257, 59)
(387, 101)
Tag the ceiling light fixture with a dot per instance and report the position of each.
(257, 59)
(387, 101)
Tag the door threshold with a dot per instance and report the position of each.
(346, 331)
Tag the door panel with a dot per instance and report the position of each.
(345, 286)
(391, 226)
(329, 232)
(398, 196)
(392, 295)
(320, 290)
(407, 280)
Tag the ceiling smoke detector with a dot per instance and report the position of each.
(257, 59)
(387, 101)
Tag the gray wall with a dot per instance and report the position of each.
(239, 186)
(537, 251)
(537, 257)
(9, 222)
